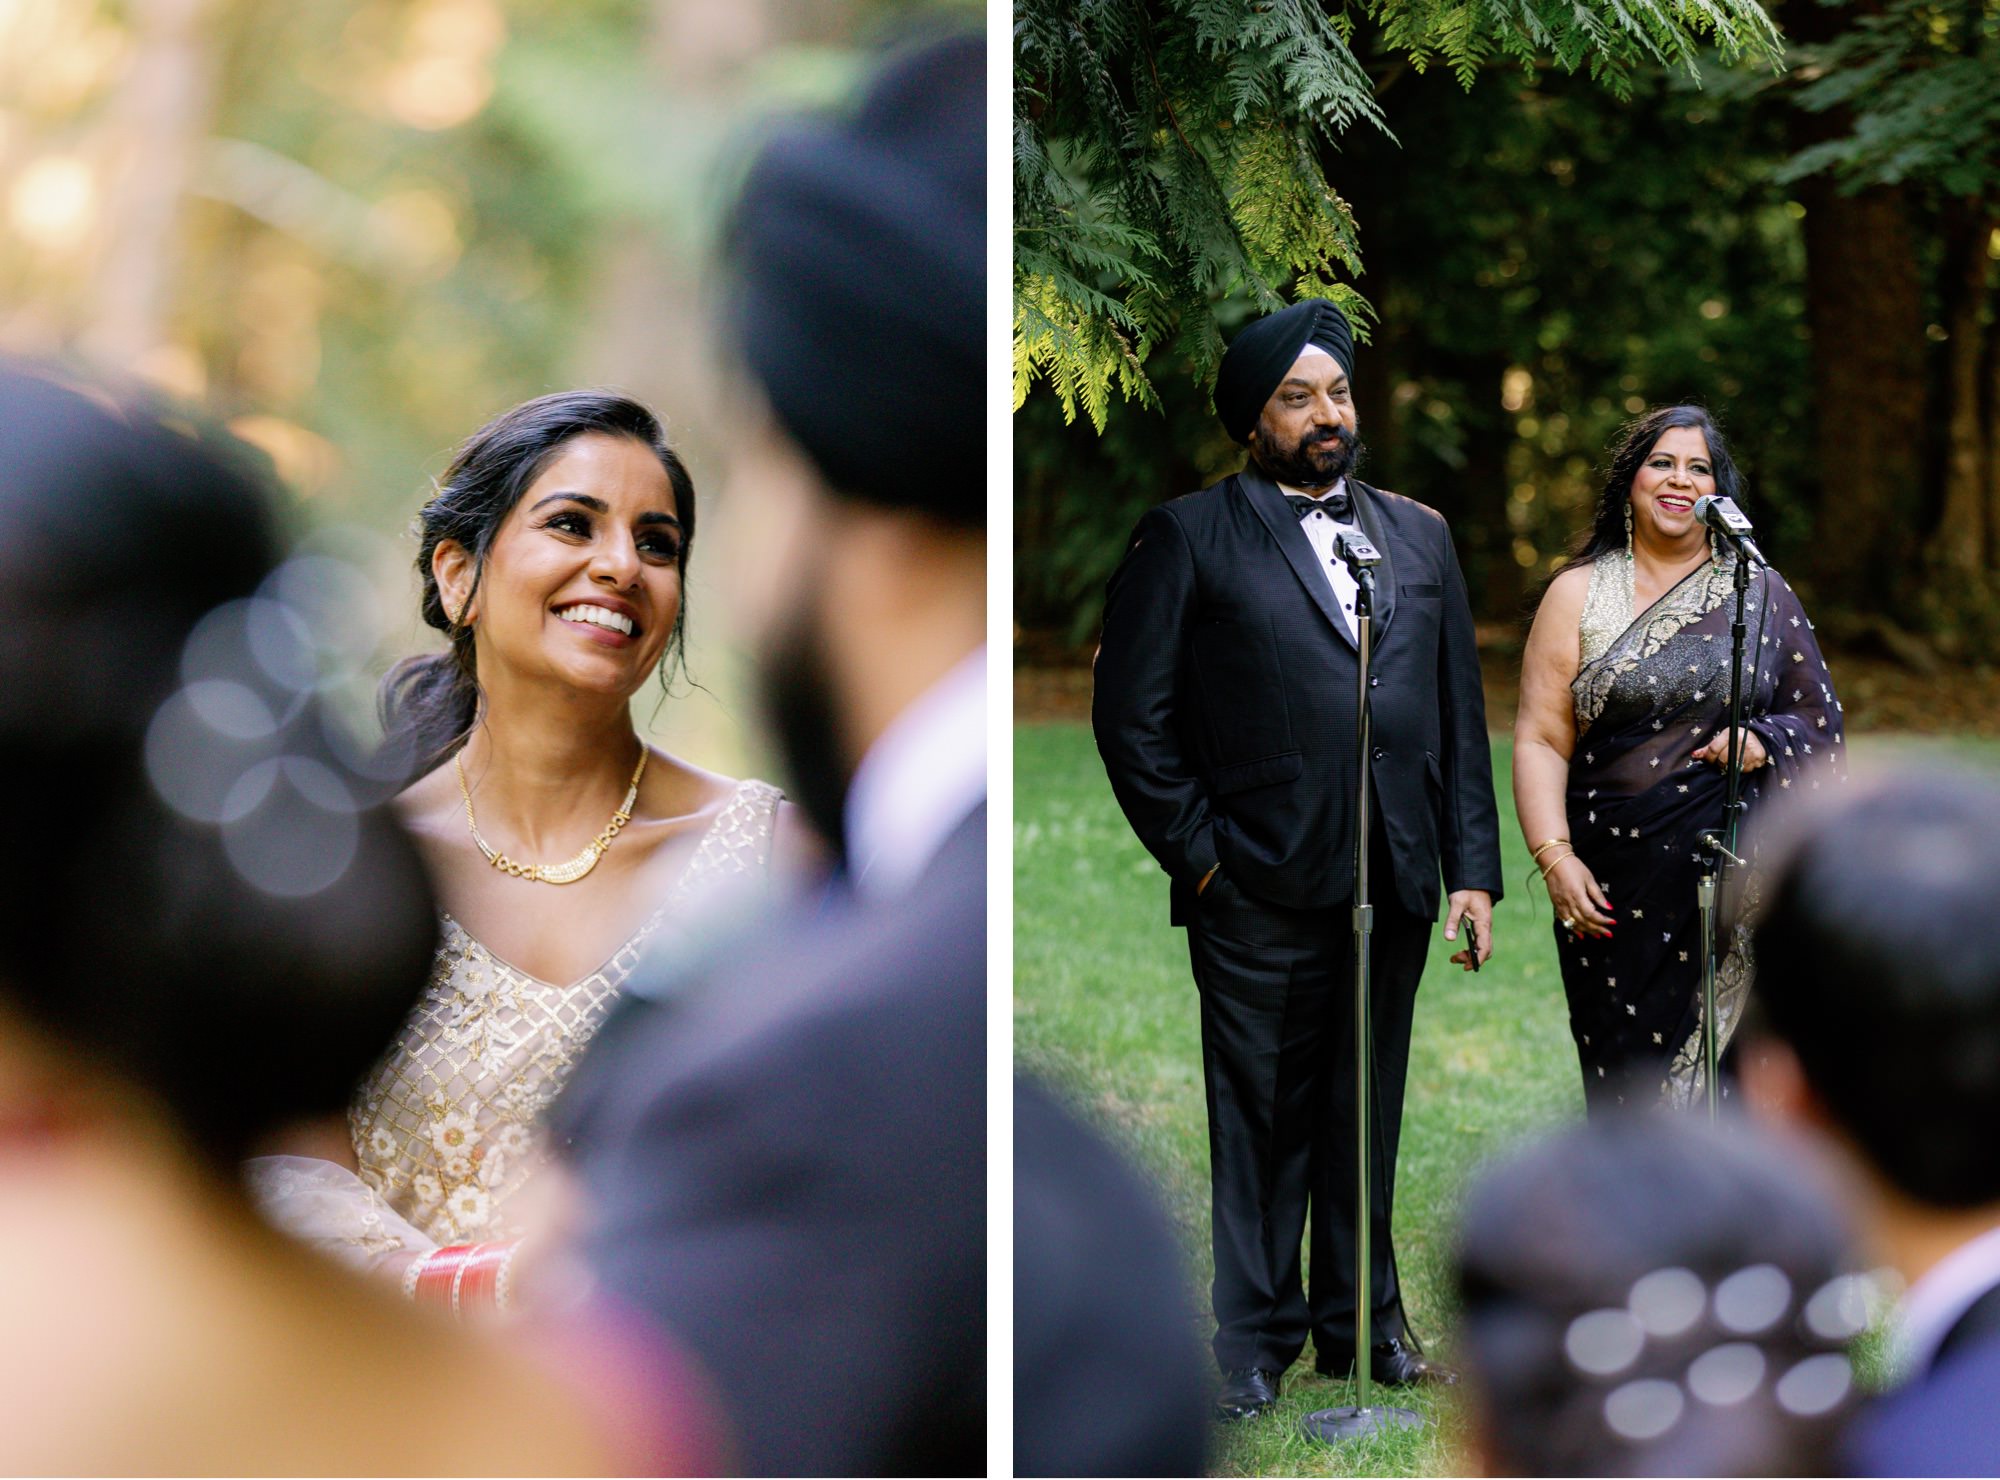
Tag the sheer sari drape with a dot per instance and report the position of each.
(1648, 696)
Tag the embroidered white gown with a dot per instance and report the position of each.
(447, 1127)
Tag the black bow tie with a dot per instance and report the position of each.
(1335, 505)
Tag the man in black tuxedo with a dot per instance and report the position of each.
(782, 1150)
(1225, 712)
(1875, 1029)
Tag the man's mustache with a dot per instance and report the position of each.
(1338, 434)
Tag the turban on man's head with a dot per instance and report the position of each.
(1258, 358)
(859, 253)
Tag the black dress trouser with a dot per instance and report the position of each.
(1277, 1048)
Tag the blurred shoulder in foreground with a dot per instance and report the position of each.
(1108, 1376)
(786, 1158)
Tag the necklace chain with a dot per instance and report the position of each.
(569, 871)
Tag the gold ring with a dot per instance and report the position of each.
(1569, 924)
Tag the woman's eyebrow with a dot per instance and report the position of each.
(598, 505)
(587, 500)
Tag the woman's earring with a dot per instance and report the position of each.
(1628, 527)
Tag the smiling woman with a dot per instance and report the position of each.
(1620, 748)
(552, 557)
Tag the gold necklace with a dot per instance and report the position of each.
(554, 873)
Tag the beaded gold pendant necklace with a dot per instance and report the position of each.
(569, 871)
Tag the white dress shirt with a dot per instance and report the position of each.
(1934, 1304)
(918, 782)
(1322, 528)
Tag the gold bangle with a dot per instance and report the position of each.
(1554, 861)
(1537, 854)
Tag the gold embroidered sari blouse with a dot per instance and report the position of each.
(447, 1126)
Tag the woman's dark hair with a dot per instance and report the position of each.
(244, 971)
(1635, 444)
(430, 704)
(1648, 1294)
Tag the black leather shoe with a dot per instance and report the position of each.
(1393, 1364)
(1246, 1392)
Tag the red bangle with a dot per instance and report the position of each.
(438, 1274)
(465, 1277)
(480, 1283)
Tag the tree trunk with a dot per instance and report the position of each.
(1989, 410)
(1961, 542)
(1865, 313)
(159, 120)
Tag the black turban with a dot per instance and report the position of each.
(859, 254)
(1258, 358)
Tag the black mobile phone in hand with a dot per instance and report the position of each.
(1471, 943)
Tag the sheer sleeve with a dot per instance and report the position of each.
(1800, 718)
(326, 1206)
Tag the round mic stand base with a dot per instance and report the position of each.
(1338, 1425)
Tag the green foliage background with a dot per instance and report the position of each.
(354, 230)
(1540, 242)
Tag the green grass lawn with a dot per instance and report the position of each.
(1105, 1009)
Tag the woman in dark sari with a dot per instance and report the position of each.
(1620, 753)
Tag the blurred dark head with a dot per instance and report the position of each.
(1635, 443)
(1878, 967)
(432, 702)
(242, 971)
(857, 262)
(858, 255)
(1650, 1295)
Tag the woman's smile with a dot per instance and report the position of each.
(601, 621)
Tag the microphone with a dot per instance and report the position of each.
(1353, 547)
(1721, 515)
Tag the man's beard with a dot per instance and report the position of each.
(795, 685)
(1315, 462)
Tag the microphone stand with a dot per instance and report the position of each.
(1722, 849)
(1332, 1425)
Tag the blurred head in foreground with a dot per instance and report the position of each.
(1878, 990)
(1876, 1030)
(1653, 1295)
(199, 906)
(858, 304)
(208, 929)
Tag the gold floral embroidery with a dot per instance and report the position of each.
(1607, 608)
(1641, 636)
(446, 1129)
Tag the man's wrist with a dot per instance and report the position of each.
(1213, 869)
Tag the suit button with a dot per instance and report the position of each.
(1374, 680)
(1380, 753)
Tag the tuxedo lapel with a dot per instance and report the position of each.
(1369, 512)
(1270, 506)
